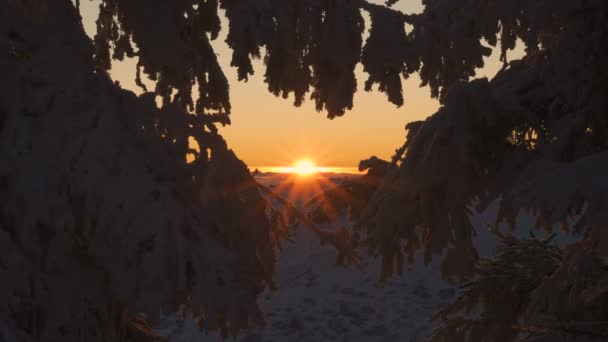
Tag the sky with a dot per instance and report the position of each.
(269, 131)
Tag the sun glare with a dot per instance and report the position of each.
(304, 167)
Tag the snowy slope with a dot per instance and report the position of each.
(319, 301)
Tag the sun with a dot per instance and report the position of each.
(304, 167)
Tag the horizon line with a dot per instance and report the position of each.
(319, 169)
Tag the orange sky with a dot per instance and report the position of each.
(269, 131)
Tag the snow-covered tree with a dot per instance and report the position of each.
(534, 137)
(103, 218)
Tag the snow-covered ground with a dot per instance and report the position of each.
(319, 301)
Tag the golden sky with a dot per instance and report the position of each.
(269, 131)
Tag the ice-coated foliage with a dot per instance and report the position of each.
(101, 218)
(348, 199)
(535, 137)
(310, 46)
(530, 289)
(505, 286)
(171, 40)
(540, 121)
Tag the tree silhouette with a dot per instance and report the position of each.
(103, 218)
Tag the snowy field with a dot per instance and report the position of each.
(319, 301)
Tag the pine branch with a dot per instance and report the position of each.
(341, 239)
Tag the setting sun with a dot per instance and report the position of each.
(304, 167)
